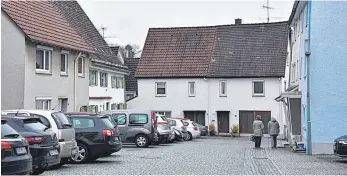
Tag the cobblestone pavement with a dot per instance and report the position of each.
(208, 156)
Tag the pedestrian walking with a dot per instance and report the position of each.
(274, 130)
(258, 128)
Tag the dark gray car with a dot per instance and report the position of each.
(135, 126)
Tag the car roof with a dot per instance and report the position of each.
(19, 117)
(35, 111)
(180, 118)
(84, 114)
(127, 110)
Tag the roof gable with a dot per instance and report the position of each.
(130, 80)
(246, 50)
(43, 24)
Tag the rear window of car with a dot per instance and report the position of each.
(34, 125)
(185, 123)
(138, 119)
(7, 130)
(172, 122)
(120, 119)
(79, 122)
(61, 120)
(107, 122)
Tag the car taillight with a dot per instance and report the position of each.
(34, 140)
(196, 128)
(5, 145)
(107, 132)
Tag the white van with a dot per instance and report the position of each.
(59, 124)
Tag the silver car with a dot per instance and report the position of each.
(59, 124)
(179, 128)
(165, 130)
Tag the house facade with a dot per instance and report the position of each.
(317, 74)
(224, 75)
(106, 68)
(45, 69)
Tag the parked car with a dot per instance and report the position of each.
(95, 135)
(203, 129)
(340, 146)
(59, 124)
(166, 133)
(136, 126)
(180, 130)
(43, 142)
(15, 155)
(192, 128)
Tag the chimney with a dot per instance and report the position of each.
(238, 21)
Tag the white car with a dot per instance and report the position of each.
(59, 124)
(165, 128)
(179, 128)
(192, 128)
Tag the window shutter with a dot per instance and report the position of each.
(122, 80)
(96, 78)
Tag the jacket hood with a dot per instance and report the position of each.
(273, 119)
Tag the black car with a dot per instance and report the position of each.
(340, 146)
(96, 136)
(15, 156)
(43, 143)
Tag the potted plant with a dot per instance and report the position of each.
(212, 129)
(235, 130)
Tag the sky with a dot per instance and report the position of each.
(127, 22)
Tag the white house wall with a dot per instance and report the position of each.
(239, 97)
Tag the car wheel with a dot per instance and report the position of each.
(141, 141)
(81, 155)
(188, 137)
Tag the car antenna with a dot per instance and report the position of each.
(19, 108)
(55, 107)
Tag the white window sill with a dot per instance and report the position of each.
(93, 85)
(258, 95)
(191, 95)
(81, 76)
(222, 95)
(63, 74)
(43, 72)
(160, 95)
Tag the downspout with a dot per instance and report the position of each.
(75, 81)
(208, 101)
(308, 106)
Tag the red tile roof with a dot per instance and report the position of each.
(44, 24)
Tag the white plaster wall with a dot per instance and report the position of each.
(239, 97)
(117, 94)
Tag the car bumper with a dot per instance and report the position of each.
(195, 134)
(172, 135)
(163, 137)
(340, 149)
(42, 158)
(104, 149)
(16, 165)
(67, 148)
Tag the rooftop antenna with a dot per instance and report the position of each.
(19, 109)
(267, 7)
(103, 28)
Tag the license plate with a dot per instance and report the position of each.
(21, 150)
(53, 152)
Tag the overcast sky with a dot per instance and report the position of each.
(129, 21)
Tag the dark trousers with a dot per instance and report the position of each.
(274, 141)
(257, 141)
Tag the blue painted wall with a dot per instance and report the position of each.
(328, 69)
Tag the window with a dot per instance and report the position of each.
(93, 78)
(103, 79)
(82, 122)
(222, 88)
(43, 60)
(81, 66)
(84, 109)
(113, 81)
(43, 119)
(165, 113)
(43, 104)
(160, 89)
(119, 82)
(138, 119)
(258, 88)
(61, 120)
(120, 119)
(191, 89)
(113, 106)
(63, 63)
(107, 106)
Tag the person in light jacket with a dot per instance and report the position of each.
(258, 129)
(274, 129)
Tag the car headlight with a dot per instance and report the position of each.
(343, 142)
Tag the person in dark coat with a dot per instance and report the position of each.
(258, 129)
(274, 129)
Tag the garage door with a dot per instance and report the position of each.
(197, 116)
(247, 118)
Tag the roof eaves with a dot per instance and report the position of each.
(295, 6)
(108, 63)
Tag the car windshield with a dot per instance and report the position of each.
(8, 132)
(61, 120)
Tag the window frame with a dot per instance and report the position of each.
(44, 99)
(66, 54)
(96, 83)
(138, 123)
(189, 87)
(220, 88)
(156, 89)
(50, 52)
(106, 79)
(258, 94)
(113, 82)
(82, 67)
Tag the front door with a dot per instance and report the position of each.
(223, 121)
